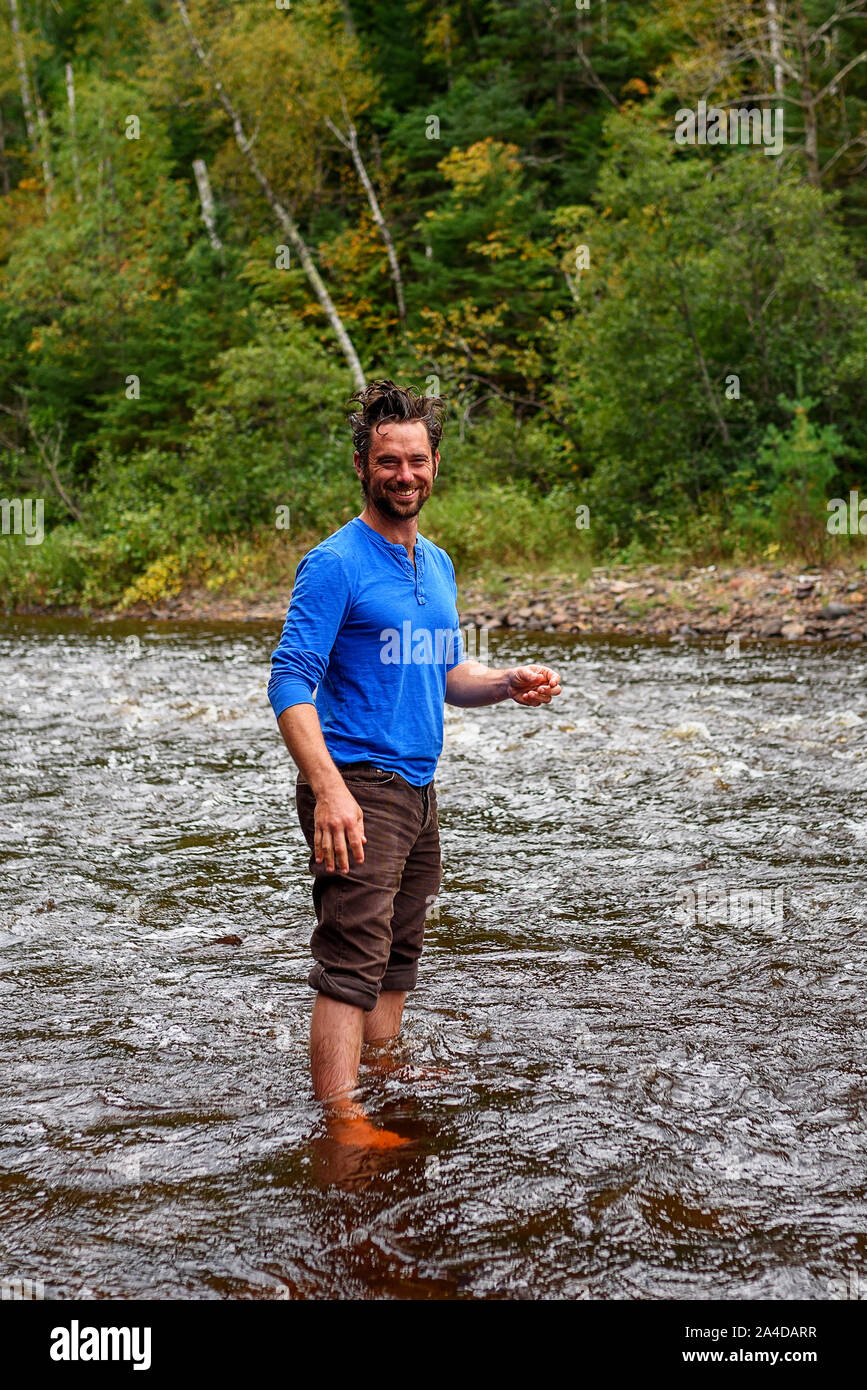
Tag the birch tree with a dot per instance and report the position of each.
(281, 213)
(349, 141)
(35, 120)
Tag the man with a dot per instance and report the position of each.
(373, 629)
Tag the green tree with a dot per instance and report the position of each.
(711, 283)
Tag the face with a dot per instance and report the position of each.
(400, 470)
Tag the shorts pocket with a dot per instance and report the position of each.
(370, 776)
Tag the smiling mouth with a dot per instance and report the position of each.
(399, 492)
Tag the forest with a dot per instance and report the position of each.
(625, 241)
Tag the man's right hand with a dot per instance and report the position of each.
(338, 823)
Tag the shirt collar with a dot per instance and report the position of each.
(395, 546)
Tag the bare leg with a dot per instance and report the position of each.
(383, 1022)
(382, 1026)
(336, 1032)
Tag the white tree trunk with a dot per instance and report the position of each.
(44, 149)
(23, 79)
(70, 97)
(350, 142)
(775, 44)
(282, 215)
(206, 198)
(37, 129)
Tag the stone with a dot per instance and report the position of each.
(835, 610)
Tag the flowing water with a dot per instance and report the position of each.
(635, 1064)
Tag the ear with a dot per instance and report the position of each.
(436, 462)
(359, 467)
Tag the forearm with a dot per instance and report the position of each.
(302, 734)
(470, 683)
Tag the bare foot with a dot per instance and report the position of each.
(358, 1132)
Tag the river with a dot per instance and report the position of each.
(635, 1064)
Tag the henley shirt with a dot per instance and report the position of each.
(369, 639)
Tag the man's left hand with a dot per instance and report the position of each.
(533, 685)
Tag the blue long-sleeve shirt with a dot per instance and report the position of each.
(374, 637)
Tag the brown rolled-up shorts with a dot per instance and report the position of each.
(370, 921)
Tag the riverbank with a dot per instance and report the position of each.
(753, 602)
(756, 602)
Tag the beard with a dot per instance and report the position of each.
(387, 504)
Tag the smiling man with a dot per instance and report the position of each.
(370, 652)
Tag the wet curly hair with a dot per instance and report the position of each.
(382, 403)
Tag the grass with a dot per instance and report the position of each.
(493, 532)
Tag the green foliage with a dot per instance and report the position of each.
(272, 432)
(118, 286)
(499, 136)
(505, 526)
(496, 444)
(785, 491)
(653, 359)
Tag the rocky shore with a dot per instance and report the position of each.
(755, 602)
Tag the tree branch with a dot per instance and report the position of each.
(51, 463)
(838, 77)
(282, 215)
(708, 386)
(350, 142)
(594, 76)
